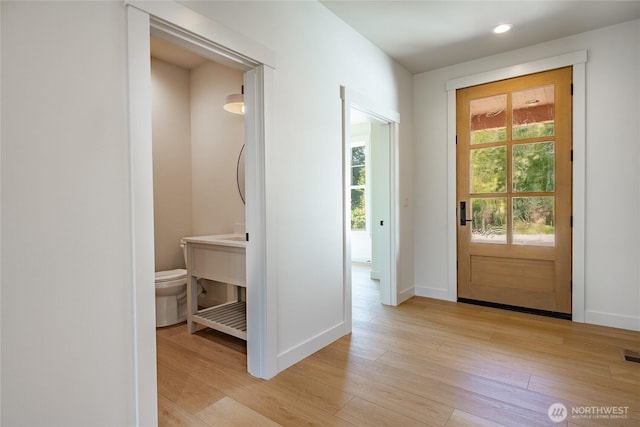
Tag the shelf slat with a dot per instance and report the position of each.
(230, 318)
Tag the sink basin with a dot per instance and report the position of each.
(235, 238)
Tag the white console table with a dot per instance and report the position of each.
(220, 258)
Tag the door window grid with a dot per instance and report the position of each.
(526, 215)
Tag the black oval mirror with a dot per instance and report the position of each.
(240, 174)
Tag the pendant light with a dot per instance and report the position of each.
(235, 103)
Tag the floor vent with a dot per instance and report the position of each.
(631, 356)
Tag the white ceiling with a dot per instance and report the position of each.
(173, 54)
(425, 35)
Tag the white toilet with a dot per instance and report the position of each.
(171, 297)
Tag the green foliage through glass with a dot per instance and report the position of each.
(358, 182)
(534, 167)
(533, 220)
(489, 170)
(533, 130)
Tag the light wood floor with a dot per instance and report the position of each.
(424, 363)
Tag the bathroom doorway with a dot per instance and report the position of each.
(178, 24)
(255, 78)
(197, 158)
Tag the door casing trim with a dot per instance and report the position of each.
(578, 60)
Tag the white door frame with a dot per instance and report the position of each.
(578, 60)
(352, 99)
(189, 29)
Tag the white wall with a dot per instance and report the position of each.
(196, 144)
(612, 276)
(67, 293)
(172, 201)
(316, 53)
(217, 137)
(66, 315)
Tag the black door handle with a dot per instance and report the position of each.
(463, 214)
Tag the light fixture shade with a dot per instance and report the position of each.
(235, 103)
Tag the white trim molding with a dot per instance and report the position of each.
(578, 60)
(293, 355)
(239, 47)
(142, 234)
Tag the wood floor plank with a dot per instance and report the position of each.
(173, 415)
(188, 392)
(285, 408)
(359, 412)
(373, 389)
(626, 371)
(462, 419)
(615, 394)
(529, 360)
(468, 396)
(317, 393)
(372, 345)
(228, 413)
(481, 385)
(482, 366)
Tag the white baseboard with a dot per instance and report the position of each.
(405, 295)
(307, 348)
(612, 320)
(436, 293)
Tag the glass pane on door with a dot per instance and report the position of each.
(489, 170)
(533, 112)
(534, 167)
(533, 221)
(489, 220)
(488, 119)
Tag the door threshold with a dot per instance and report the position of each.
(546, 313)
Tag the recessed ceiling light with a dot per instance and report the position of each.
(502, 28)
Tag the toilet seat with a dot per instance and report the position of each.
(170, 275)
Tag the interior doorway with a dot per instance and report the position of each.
(196, 142)
(260, 361)
(370, 199)
(369, 180)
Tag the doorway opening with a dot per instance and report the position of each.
(370, 205)
(369, 181)
(197, 162)
(253, 79)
